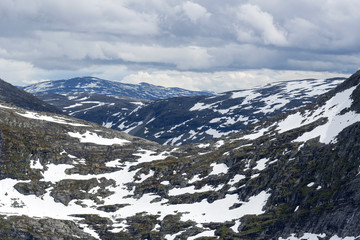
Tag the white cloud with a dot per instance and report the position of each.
(223, 81)
(195, 11)
(18, 72)
(262, 23)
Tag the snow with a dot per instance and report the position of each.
(143, 176)
(201, 212)
(6, 107)
(312, 236)
(237, 178)
(203, 145)
(220, 143)
(297, 208)
(332, 111)
(214, 133)
(54, 119)
(261, 164)
(90, 137)
(189, 189)
(310, 184)
(256, 135)
(73, 106)
(345, 238)
(210, 233)
(236, 226)
(90, 231)
(200, 107)
(195, 178)
(137, 103)
(165, 183)
(107, 124)
(272, 103)
(220, 168)
(172, 237)
(36, 164)
(114, 163)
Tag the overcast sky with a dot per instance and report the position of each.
(204, 44)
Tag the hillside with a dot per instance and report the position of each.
(97, 108)
(291, 176)
(20, 98)
(184, 120)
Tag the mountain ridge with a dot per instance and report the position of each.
(20, 98)
(106, 87)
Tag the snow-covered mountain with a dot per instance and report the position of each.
(291, 176)
(92, 85)
(192, 119)
(181, 120)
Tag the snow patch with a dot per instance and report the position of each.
(90, 137)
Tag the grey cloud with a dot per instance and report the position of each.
(182, 35)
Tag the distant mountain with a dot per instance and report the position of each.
(183, 120)
(290, 176)
(20, 98)
(92, 85)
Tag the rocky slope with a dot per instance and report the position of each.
(291, 176)
(92, 85)
(183, 120)
(17, 97)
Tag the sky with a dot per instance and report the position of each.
(199, 45)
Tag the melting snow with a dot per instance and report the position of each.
(219, 168)
(60, 120)
(90, 137)
(331, 110)
(261, 164)
(36, 164)
(312, 236)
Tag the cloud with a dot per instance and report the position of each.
(53, 39)
(260, 23)
(223, 81)
(195, 11)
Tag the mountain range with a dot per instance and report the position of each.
(289, 176)
(180, 120)
(95, 85)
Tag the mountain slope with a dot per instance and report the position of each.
(20, 98)
(97, 108)
(92, 85)
(192, 119)
(291, 176)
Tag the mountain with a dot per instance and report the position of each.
(289, 176)
(20, 98)
(183, 120)
(92, 85)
